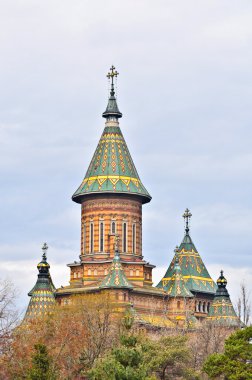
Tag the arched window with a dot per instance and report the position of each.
(137, 272)
(178, 304)
(117, 296)
(134, 238)
(75, 274)
(84, 239)
(113, 227)
(208, 307)
(95, 272)
(200, 307)
(204, 307)
(105, 272)
(101, 235)
(89, 272)
(148, 276)
(196, 306)
(131, 273)
(91, 237)
(124, 247)
(124, 297)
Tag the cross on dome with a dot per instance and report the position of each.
(44, 249)
(187, 216)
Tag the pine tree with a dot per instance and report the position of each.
(41, 365)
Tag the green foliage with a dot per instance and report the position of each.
(236, 361)
(138, 358)
(41, 365)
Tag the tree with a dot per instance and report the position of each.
(243, 306)
(236, 361)
(41, 365)
(139, 358)
(8, 312)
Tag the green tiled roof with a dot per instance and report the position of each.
(116, 278)
(112, 169)
(195, 274)
(221, 311)
(42, 294)
(176, 286)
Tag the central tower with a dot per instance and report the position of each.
(111, 197)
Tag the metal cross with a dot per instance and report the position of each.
(44, 249)
(112, 73)
(187, 215)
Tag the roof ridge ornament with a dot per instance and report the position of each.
(111, 74)
(112, 112)
(187, 216)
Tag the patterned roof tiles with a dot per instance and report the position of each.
(221, 311)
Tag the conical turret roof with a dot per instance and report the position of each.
(176, 286)
(112, 169)
(221, 311)
(42, 294)
(116, 278)
(195, 274)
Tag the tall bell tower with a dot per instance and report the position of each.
(111, 197)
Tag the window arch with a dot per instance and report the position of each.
(91, 243)
(95, 272)
(178, 304)
(113, 227)
(134, 238)
(89, 272)
(200, 306)
(101, 236)
(125, 233)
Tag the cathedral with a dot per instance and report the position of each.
(111, 260)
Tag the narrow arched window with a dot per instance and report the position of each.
(131, 273)
(101, 233)
(89, 272)
(208, 307)
(84, 239)
(200, 306)
(204, 307)
(178, 304)
(137, 272)
(134, 238)
(95, 272)
(105, 272)
(124, 297)
(75, 274)
(124, 237)
(91, 237)
(113, 227)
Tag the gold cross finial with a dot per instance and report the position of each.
(111, 74)
(187, 216)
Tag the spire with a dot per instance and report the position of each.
(112, 170)
(112, 108)
(195, 274)
(116, 278)
(176, 286)
(221, 311)
(42, 294)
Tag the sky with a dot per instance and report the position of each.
(185, 90)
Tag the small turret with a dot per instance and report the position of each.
(116, 278)
(222, 311)
(42, 294)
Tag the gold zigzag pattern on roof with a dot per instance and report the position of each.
(193, 277)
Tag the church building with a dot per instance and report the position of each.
(111, 260)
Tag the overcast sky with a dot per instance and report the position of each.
(185, 90)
